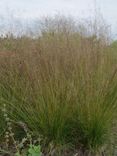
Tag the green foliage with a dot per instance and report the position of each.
(34, 150)
(17, 154)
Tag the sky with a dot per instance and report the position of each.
(28, 9)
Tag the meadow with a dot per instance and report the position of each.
(58, 92)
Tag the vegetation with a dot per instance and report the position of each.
(62, 88)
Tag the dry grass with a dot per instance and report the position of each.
(63, 85)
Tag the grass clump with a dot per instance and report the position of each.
(63, 87)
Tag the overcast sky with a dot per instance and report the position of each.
(78, 8)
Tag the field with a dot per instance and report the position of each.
(58, 92)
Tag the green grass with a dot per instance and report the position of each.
(63, 86)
